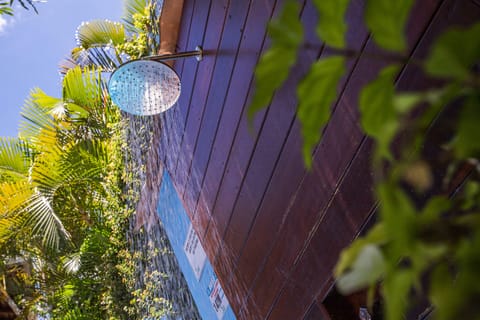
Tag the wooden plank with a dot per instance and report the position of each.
(190, 70)
(270, 215)
(250, 48)
(167, 143)
(283, 185)
(310, 198)
(183, 36)
(357, 217)
(289, 241)
(176, 117)
(215, 100)
(314, 268)
(234, 105)
(241, 159)
(271, 232)
(269, 146)
(317, 312)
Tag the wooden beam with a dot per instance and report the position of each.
(169, 25)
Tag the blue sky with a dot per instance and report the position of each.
(31, 47)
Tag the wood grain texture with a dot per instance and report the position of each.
(271, 229)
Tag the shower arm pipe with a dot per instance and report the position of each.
(198, 53)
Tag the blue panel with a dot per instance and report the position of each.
(176, 223)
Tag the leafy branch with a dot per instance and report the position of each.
(426, 247)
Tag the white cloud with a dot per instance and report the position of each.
(6, 23)
(3, 24)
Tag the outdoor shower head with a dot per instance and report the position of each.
(148, 86)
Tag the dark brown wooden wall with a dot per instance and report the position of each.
(272, 230)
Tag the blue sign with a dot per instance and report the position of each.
(197, 270)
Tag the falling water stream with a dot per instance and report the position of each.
(158, 145)
(177, 152)
(146, 234)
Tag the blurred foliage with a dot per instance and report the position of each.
(426, 239)
(6, 7)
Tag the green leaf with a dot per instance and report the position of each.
(454, 53)
(466, 142)
(15, 158)
(423, 256)
(44, 221)
(316, 93)
(368, 268)
(440, 292)
(434, 208)
(386, 20)
(404, 102)
(398, 215)
(286, 33)
(99, 33)
(38, 125)
(396, 289)
(76, 110)
(379, 118)
(130, 9)
(83, 87)
(5, 9)
(471, 192)
(332, 26)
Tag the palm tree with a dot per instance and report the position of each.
(54, 178)
(107, 44)
(53, 182)
(59, 154)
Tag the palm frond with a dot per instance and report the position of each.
(38, 126)
(43, 221)
(67, 64)
(13, 196)
(106, 58)
(100, 33)
(88, 153)
(83, 88)
(130, 9)
(26, 4)
(72, 263)
(15, 158)
(86, 88)
(8, 227)
(132, 15)
(6, 9)
(77, 166)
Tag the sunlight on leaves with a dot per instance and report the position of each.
(367, 269)
(376, 236)
(100, 32)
